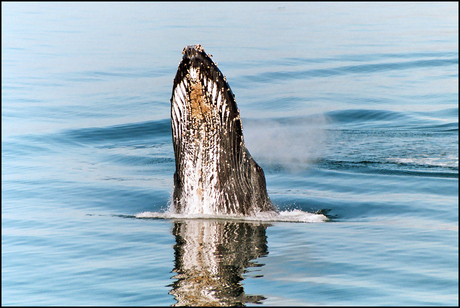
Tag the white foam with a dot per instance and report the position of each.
(284, 216)
(448, 161)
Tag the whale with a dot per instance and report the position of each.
(215, 173)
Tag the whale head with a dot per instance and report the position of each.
(215, 174)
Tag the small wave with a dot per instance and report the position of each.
(368, 68)
(157, 128)
(447, 162)
(283, 216)
(440, 128)
(364, 115)
(436, 121)
(426, 167)
(116, 72)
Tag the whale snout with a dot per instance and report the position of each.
(191, 50)
(201, 94)
(196, 58)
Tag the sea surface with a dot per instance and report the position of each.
(351, 109)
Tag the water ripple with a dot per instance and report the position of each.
(275, 77)
(149, 129)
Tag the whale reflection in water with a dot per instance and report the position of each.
(210, 259)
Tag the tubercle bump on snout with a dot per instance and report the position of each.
(193, 51)
(197, 47)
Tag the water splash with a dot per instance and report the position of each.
(283, 216)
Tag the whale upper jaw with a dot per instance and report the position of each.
(215, 174)
(201, 86)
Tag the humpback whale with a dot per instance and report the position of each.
(215, 174)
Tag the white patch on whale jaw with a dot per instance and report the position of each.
(194, 73)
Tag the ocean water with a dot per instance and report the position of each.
(351, 109)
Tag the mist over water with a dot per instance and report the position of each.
(351, 109)
(292, 143)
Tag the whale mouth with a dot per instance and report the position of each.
(215, 174)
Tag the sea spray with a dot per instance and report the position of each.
(292, 143)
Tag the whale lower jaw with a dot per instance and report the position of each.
(198, 191)
(208, 182)
(215, 174)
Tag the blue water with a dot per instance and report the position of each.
(351, 109)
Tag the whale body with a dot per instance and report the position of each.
(215, 173)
